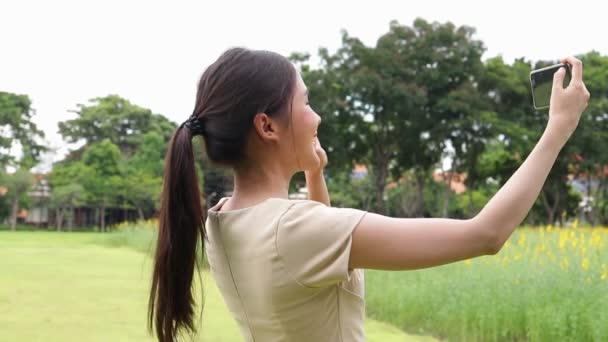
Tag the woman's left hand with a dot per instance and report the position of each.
(321, 154)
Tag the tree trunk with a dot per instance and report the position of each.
(141, 213)
(102, 218)
(599, 198)
(419, 194)
(472, 179)
(71, 219)
(551, 208)
(596, 213)
(380, 177)
(97, 220)
(550, 217)
(407, 200)
(59, 218)
(447, 194)
(591, 213)
(14, 212)
(380, 183)
(471, 205)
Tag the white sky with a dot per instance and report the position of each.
(61, 52)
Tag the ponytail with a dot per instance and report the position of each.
(171, 305)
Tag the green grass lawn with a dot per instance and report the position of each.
(85, 287)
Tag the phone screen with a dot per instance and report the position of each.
(541, 81)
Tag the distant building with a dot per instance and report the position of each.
(586, 185)
(38, 213)
(457, 183)
(359, 172)
(21, 214)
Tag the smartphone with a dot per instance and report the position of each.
(541, 81)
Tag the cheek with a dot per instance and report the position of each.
(307, 132)
(305, 122)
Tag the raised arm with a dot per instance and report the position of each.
(381, 242)
(315, 180)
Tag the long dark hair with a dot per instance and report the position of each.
(240, 84)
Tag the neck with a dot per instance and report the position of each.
(254, 183)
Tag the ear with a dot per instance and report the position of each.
(266, 127)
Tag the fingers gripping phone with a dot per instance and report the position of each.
(541, 81)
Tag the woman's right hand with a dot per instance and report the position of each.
(567, 104)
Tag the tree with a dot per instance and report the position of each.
(150, 153)
(142, 190)
(518, 129)
(105, 178)
(16, 126)
(117, 120)
(386, 97)
(124, 148)
(17, 183)
(589, 159)
(66, 180)
(143, 175)
(64, 199)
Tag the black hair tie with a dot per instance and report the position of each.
(194, 125)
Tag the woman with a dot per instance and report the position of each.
(291, 270)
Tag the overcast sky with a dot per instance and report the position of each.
(61, 53)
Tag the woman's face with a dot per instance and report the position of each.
(304, 124)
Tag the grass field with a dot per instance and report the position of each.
(91, 287)
(546, 284)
